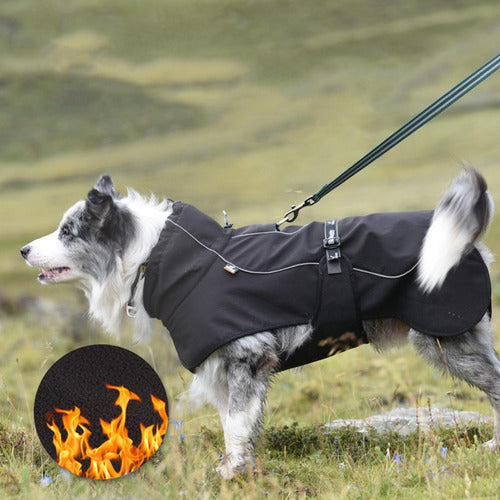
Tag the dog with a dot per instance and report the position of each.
(103, 242)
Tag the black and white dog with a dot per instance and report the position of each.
(103, 241)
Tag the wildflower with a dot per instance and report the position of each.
(444, 452)
(398, 459)
(46, 480)
(65, 474)
(178, 428)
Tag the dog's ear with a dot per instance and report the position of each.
(98, 203)
(105, 185)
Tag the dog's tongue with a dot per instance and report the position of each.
(53, 274)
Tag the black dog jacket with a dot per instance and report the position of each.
(210, 285)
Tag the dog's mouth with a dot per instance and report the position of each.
(55, 275)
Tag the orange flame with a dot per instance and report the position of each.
(118, 447)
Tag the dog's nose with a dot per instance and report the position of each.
(25, 251)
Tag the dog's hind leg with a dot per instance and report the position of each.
(250, 362)
(470, 357)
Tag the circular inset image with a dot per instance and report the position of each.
(101, 411)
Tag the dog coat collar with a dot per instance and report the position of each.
(210, 285)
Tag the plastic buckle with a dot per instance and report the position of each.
(331, 243)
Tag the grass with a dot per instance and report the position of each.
(296, 457)
(247, 106)
(118, 111)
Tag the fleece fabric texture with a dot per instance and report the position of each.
(79, 379)
(210, 285)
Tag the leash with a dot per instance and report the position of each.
(403, 132)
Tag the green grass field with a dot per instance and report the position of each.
(247, 106)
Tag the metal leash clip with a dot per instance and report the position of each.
(293, 213)
(131, 311)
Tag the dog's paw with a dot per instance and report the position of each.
(492, 445)
(228, 470)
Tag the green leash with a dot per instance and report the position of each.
(407, 129)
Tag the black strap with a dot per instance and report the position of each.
(331, 244)
(131, 309)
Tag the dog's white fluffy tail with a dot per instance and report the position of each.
(461, 217)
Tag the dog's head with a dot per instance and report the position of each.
(90, 239)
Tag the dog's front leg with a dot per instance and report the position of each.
(241, 427)
(250, 364)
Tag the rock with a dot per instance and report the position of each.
(406, 420)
